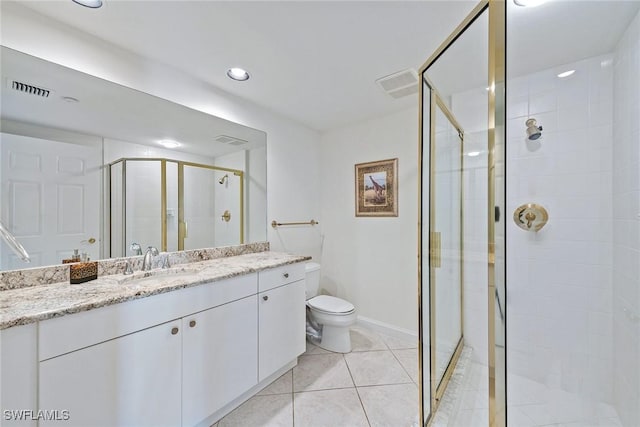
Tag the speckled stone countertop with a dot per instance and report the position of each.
(35, 303)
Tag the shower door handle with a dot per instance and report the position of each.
(435, 249)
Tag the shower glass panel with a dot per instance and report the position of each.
(573, 306)
(199, 207)
(446, 270)
(172, 206)
(463, 88)
(212, 207)
(143, 198)
(116, 203)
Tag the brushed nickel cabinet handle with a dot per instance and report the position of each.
(174, 331)
(192, 323)
(286, 275)
(266, 297)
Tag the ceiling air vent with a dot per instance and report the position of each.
(229, 140)
(400, 84)
(28, 88)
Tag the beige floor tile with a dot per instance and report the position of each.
(260, 411)
(314, 349)
(321, 372)
(366, 340)
(282, 385)
(399, 343)
(472, 418)
(329, 408)
(391, 405)
(409, 360)
(375, 368)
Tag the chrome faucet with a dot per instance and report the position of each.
(148, 258)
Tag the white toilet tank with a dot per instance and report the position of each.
(312, 279)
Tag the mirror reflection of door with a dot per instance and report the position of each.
(446, 242)
(50, 199)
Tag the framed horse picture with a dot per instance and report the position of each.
(377, 188)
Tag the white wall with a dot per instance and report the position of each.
(292, 149)
(559, 279)
(626, 226)
(371, 261)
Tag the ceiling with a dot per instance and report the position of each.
(317, 61)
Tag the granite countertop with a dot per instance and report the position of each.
(35, 303)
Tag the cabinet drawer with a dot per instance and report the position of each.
(274, 277)
(69, 333)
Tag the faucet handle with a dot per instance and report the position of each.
(153, 250)
(165, 261)
(127, 268)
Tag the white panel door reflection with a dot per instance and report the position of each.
(50, 199)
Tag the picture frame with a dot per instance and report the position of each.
(376, 185)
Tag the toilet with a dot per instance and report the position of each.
(334, 315)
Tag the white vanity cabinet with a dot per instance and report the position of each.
(179, 358)
(220, 357)
(18, 374)
(134, 380)
(281, 315)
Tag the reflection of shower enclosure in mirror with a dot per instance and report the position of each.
(174, 205)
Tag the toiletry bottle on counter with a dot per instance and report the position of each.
(74, 258)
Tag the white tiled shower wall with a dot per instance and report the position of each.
(559, 279)
(626, 226)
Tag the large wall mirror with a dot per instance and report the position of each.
(90, 165)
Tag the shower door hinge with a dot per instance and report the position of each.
(435, 249)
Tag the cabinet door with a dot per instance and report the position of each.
(220, 348)
(129, 381)
(282, 326)
(18, 374)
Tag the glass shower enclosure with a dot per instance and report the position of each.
(550, 217)
(461, 252)
(174, 205)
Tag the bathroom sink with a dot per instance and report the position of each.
(140, 276)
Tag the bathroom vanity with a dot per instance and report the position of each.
(177, 349)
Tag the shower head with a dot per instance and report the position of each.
(223, 179)
(533, 132)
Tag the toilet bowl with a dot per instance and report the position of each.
(334, 315)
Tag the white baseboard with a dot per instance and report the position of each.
(386, 328)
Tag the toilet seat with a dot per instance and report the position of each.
(331, 305)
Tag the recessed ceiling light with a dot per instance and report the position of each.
(566, 74)
(529, 3)
(168, 143)
(93, 4)
(238, 74)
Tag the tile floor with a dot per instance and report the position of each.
(466, 402)
(374, 385)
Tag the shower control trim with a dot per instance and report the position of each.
(531, 217)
